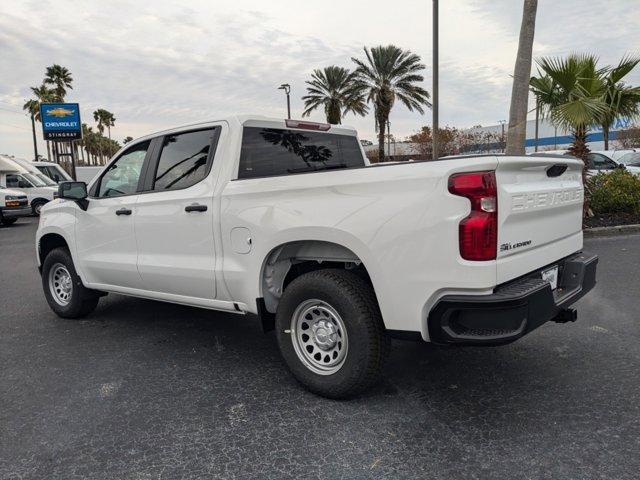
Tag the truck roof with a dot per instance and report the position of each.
(254, 121)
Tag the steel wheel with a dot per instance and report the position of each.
(60, 284)
(319, 337)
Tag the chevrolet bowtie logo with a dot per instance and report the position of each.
(60, 112)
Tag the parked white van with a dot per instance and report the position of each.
(15, 176)
(13, 205)
(52, 170)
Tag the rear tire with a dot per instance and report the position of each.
(63, 289)
(331, 334)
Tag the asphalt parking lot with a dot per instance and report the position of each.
(146, 390)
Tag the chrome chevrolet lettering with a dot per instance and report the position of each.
(531, 200)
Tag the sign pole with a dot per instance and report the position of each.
(72, 147)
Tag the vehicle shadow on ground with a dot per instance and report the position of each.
(17, 224)
(452, 383)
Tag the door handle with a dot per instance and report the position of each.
(195, 208)
(123, 211)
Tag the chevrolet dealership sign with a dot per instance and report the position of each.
(61, 121)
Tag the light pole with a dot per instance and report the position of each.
(537, 121)
(287, 89)
(502, 122)
(434, 108)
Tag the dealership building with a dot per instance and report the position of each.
(553, 138)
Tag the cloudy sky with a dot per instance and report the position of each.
(156, 64)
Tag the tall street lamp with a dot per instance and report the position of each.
(502, 144)
(434, 108)
(287, 89)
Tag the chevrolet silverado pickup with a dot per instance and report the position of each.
(287, 220)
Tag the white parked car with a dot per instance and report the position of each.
(631, 162)
(287, 220)
(13, 205)
(602, 161)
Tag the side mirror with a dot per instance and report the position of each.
(621, 166)
(76, 191)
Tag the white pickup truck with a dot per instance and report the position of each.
(287, 220)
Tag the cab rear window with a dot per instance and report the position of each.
(271, 151)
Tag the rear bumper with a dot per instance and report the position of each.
(515, 308)
(16, 212)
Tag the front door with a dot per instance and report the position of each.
(175, 218)
(105, 236)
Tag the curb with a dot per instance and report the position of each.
(610, 231)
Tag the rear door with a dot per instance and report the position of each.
(175, 217)
(539, 212)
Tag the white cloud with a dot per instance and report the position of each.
(157, 64)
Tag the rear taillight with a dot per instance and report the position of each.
(479, 231)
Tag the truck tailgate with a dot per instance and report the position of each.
(539, 212)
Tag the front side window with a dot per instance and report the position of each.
(46, 180)
(184, 160)
(18, 181)
(271, 151)
(122, 176)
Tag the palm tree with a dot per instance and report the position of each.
(105, 119)
(572, 93)
(622, 100)
(520, 91)
(389, 73)
(110, 122)
(334, 89)
(61, 79)
(42, 95)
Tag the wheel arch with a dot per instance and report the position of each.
(291, 259)
(39, 200)
(48, 242)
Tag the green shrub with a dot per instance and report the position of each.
(618, 191)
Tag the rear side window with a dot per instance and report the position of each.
(184, 159)
(271, 151)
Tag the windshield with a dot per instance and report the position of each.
(631, 159)
(35, 181)
(47, 181)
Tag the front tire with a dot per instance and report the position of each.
(331, 334)
(63, 289)
(36, 207)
